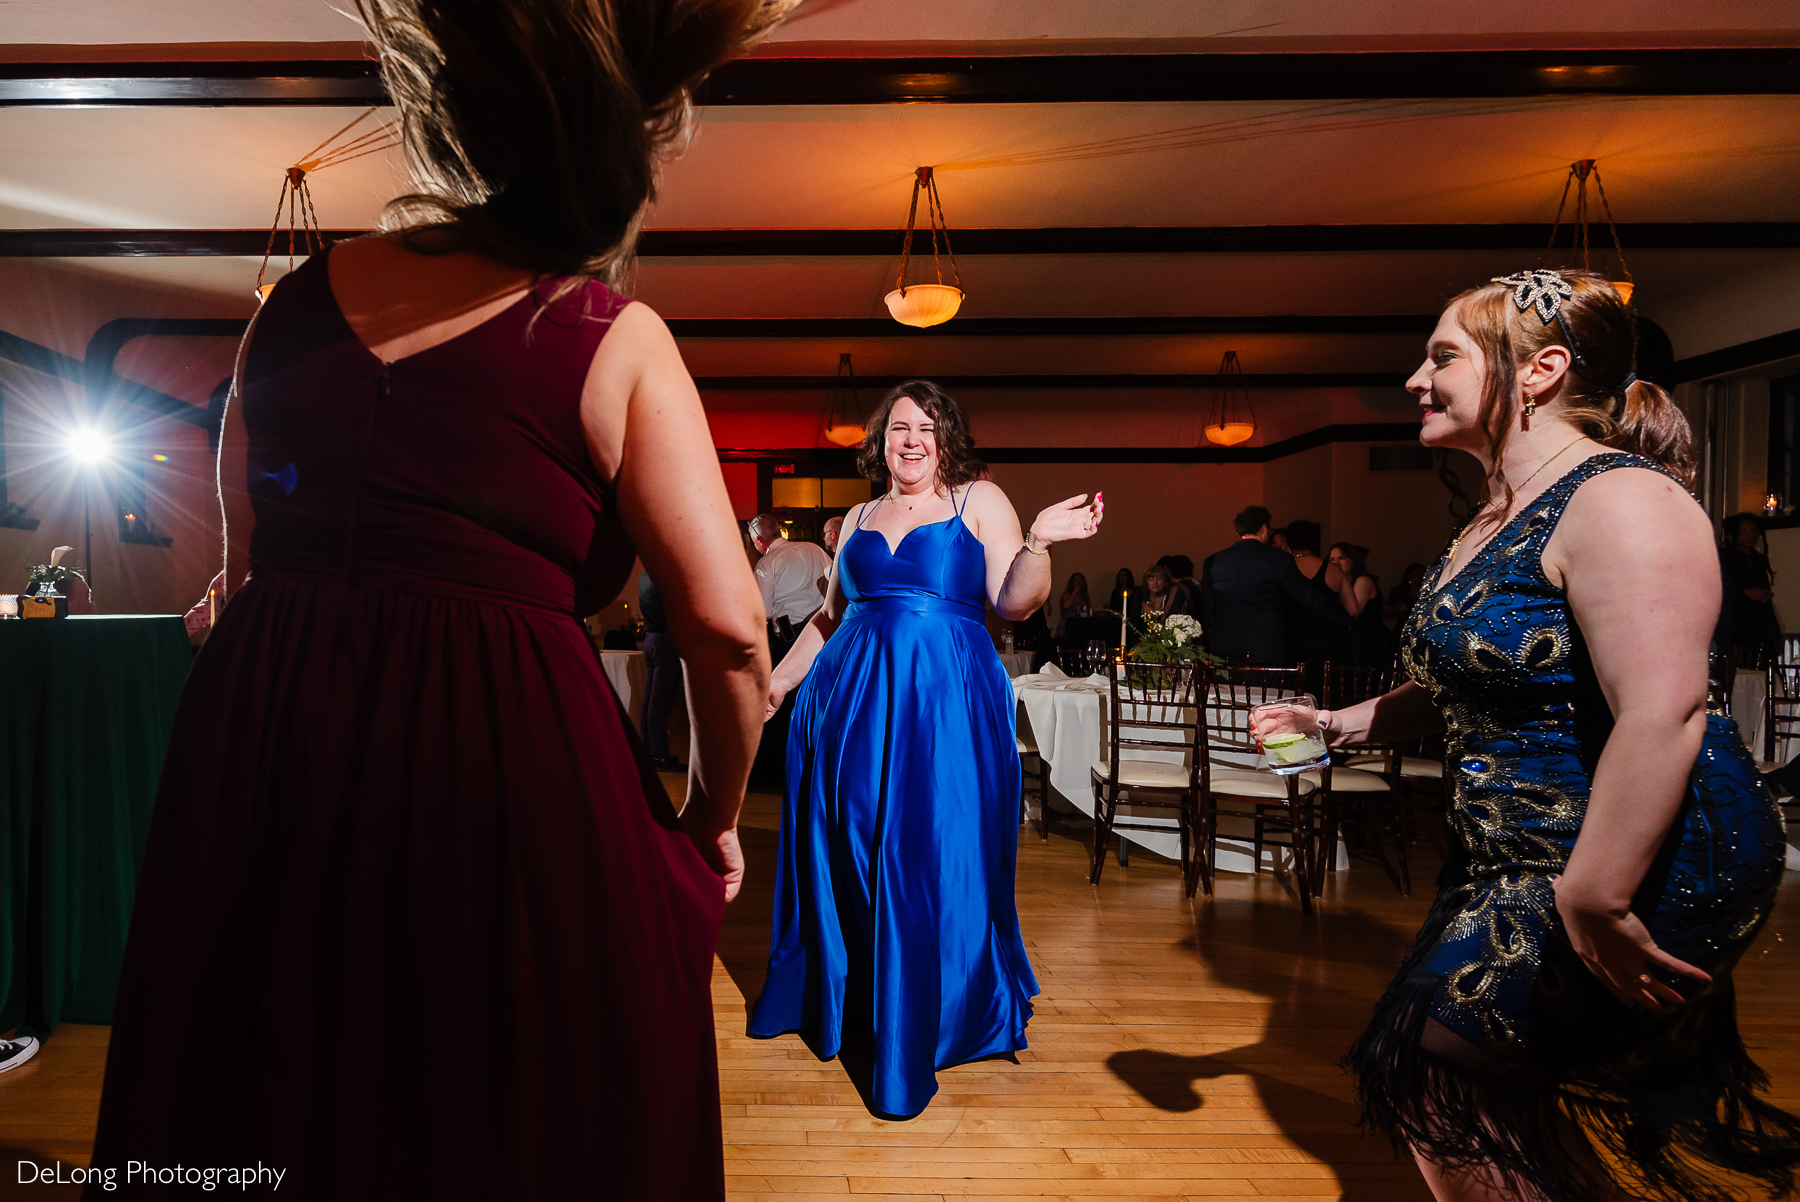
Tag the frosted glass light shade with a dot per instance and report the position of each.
(1230, 434)
(845, 436)
(924, 305)
(1623, 288)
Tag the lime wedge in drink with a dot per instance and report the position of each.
(1274, 741)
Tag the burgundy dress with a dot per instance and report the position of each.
(416, 919)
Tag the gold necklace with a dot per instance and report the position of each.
(1501, 521)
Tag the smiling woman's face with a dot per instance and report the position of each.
(912, 454)
(1449, 385)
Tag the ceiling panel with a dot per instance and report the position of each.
(1008, 22)
(1663, 159)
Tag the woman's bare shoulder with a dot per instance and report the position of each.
(1630, 505)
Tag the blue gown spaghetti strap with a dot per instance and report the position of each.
(899, 836)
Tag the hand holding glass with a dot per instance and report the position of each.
(1288, 729)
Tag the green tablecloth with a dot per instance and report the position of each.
(86, 706)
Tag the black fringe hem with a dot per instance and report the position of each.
(1671, 1116)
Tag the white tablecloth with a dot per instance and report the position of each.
(625, 672)
(1017, 663)
(1070, 720)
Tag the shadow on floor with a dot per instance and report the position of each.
(1320, 1124)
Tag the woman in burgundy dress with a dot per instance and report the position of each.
(416, 918)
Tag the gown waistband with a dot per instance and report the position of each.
(916, 603)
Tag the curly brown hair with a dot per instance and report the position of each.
(957, 464)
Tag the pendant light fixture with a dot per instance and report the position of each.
(303, 233)
(924, 305)
(1579, 172)
(1233, 420)
(842, 422)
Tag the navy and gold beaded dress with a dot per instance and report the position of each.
(1671, 1097)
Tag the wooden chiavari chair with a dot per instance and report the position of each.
(1230, 783)
(1781, 724)
(1374, 777)
(1081, 662)
(1154, 755)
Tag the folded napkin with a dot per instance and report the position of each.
(1052, 672)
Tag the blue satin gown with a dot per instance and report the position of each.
(899, 837)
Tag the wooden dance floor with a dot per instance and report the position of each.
(1178, 1052)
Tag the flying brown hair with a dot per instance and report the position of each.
(533, 127)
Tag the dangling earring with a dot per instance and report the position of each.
(1530, 408)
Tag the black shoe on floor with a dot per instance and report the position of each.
(668, 763)
(14, 1052)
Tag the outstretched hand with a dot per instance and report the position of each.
(1619, 951)
(1071, 519)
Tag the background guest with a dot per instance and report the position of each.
(1403, 596)
(1279, 539)
(833, 527)
(1241, 589)
(1755, 630)
(662, 676)
(791, 576)
(1184, 590)
(1371, 644)
(1312, 639)
(1122, 583)
(1156, 592)
(1074, 603)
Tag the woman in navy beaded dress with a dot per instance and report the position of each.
(1564, 1027)
(894, 912)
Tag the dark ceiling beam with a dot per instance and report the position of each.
(1068, 240)
(841, 328)
(1742, 357)
(843, 459)
(1346, 379)
(1021, 79)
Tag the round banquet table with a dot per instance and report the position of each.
(86, 706)
(1069, 718)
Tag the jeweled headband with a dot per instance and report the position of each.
(1546, 291)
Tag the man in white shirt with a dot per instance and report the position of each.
(791, 575)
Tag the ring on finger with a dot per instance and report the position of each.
(1643, 978)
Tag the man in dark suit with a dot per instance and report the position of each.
(1241, 589)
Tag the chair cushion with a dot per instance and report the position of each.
(1243, 782)
(1354, 780)
(1144, 774)
(1410, 765)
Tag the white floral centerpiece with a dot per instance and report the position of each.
(1171, 638)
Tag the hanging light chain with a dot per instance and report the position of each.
(925, 179)
(1579, 171)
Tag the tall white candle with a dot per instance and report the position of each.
(1124, 609)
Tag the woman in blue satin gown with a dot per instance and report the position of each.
(894, 912)
(1565, 1027)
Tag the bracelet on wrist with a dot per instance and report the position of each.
(1033, 549)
